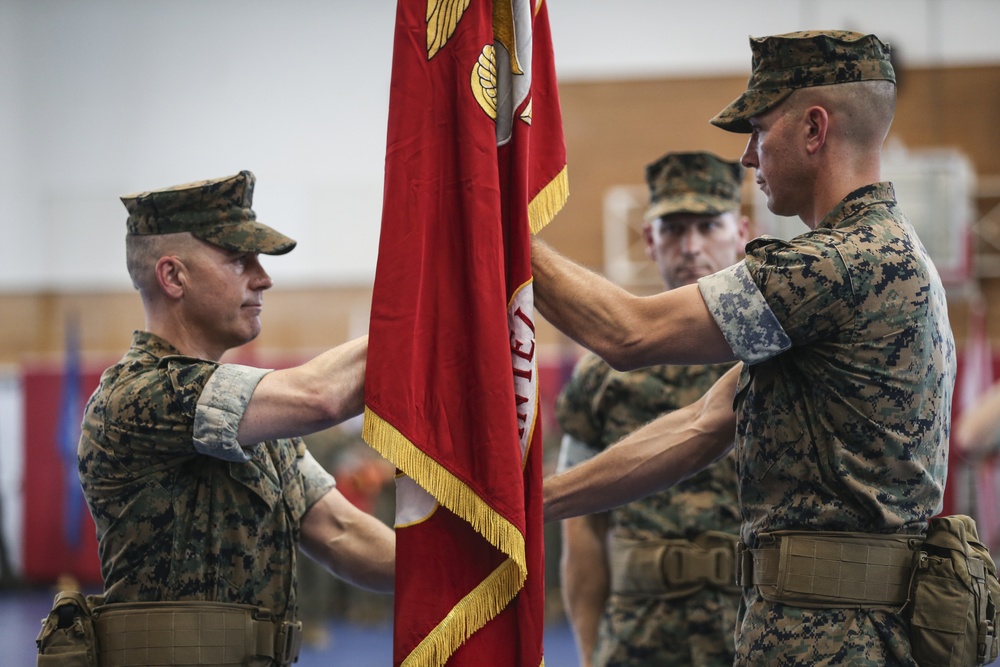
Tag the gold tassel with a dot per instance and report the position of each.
(490, 597)
(548, 201)
(445, 487)
(471, 613)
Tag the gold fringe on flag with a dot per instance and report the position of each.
(471, 613)
(492, 595)
(549, 201)
(445, 487)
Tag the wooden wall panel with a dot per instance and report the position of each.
(612, 130)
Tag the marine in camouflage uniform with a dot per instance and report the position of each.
(181, 513)
(195, 493)
(843, 401)
(599, 406)
(845, 397)
(862, 449)
(692, 625)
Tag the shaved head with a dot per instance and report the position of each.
(862, 111)
(143, 251)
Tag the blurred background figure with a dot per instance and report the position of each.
(365, 479)
(635, 582)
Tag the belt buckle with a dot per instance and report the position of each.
(694, 565)
(744, 565)
(288, 642)
(724, 568)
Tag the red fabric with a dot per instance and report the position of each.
(46, 553)
(959, 495)
(451, 362)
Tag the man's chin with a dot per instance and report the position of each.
(251, 332)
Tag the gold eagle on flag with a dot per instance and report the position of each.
(496, 61)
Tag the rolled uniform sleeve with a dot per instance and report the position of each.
(784, 294)
(576, 413)
(573, 452)
(316, 481)
(220, 409)
(743, 314)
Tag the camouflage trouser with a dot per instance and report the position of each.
(649, 632)
(776, 635)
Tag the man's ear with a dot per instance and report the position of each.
(171, 276)
(817, 121)
(743, 228)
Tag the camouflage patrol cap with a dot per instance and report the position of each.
(784, 63)
(693, 183)
(217, 211)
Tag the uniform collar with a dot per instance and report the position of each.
(851, 205)
(150, 342)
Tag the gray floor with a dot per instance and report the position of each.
(348, 645)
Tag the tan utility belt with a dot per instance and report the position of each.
(673, 568)
(134, 634)
(830, 569)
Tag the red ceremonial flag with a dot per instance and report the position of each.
(475, 162)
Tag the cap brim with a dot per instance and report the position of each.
(736, 117)
(700, 205)
(247, 236)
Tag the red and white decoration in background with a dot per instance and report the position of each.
(973, 485)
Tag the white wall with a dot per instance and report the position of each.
(671, 37)
(105, 97)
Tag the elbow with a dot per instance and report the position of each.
(337, 407)
(621, 362)
(319, 407)
(622, 354)
(626, 344)
(333, 399)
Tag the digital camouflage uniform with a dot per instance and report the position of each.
(217, 211)
(182, 511)
(844, 402)
(599, 406)
(843, 407)
(784, 63)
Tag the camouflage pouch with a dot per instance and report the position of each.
(953, 597)
(67, 637)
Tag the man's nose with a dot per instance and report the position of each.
(261, 279)
(749, 157)
(691, 241)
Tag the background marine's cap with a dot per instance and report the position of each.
(217, 211)
(783, 63)
(693, 183)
